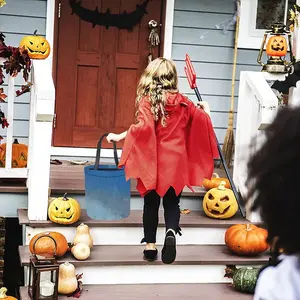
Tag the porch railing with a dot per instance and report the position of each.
(40, 135)
(257, 107)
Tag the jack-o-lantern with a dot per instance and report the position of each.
(64, 210)
(19, 155)
(37, 46)
(220, 203)
(276, 46)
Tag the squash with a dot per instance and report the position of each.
(83, 235)
(67, 280)
(215, 182)
(81, 251)
(220, 203)
(276, 46)
(3, 295)
(37, 46)
(45, 245)
(244, 279)
(19, 155)
(64, 210)
(246, 239)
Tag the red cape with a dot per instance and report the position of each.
(178, 155)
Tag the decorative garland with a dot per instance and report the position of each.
(294, 13)
(121, 21)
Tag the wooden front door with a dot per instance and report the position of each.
(97, 71)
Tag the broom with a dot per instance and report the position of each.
(228, 146)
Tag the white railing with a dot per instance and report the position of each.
(257, 107)
(40, 138)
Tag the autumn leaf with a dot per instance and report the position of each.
(2, 95)
(24, 89)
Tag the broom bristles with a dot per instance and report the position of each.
(228, 146)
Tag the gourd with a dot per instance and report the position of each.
(246, 239)
(244, 279)
(215, 182)
(83, 235)
(3, 295)
(220, 202)
(67, 281)
(64, 210)
(276, 46)
(19, 155)
(45, 245)
(81, 251)
(37, 46)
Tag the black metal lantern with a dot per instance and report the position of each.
(276, 50)
(43, 276)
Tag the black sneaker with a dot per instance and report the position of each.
(150, 255)
(169, 250)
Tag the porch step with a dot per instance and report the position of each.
(159, 291)
(197, 229)
(125, 265)
(132, 255)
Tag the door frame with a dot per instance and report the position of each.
(51, 36)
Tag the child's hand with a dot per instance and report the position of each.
(112, 137)
(204, 105)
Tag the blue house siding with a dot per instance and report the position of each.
(211, 55)
(19, 18)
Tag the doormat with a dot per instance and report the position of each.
(124, 20)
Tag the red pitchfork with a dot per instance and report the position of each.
(191, 76)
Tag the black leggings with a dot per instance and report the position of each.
(150, 214)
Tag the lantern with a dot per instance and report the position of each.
(276, 50)
(43, 277)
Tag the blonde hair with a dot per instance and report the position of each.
(159, 77)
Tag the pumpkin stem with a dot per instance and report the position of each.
(248, 227)
(230, 270)
(35, 32)
(215, 175)
(3, 292)
(16, 141)
(221, 187)
(65, 197)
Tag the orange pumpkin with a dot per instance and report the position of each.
(19, 155)
(45, 245)
(276, 46)
(214, 182)
(3, 295)
(246, 239)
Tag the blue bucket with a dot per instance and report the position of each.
(107, 193)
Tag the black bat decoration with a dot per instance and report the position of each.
(121, 21)
(290, 81)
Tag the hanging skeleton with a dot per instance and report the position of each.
(153, 38)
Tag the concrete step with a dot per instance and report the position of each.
(159, 291)
(125, 265)
(197, 229)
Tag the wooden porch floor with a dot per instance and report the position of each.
(69, 178)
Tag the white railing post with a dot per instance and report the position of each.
(257, 107)
(40, 137)
(10, 119)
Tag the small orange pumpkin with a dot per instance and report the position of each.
(19, 155)
(214, 182)
(246, 239)
(276, 46)
(43, 244)
(3, 295)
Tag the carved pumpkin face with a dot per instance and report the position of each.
(19, 155)
(64, 210)
(276, 46)
(37, 46)
(220, 203)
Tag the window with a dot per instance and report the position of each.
(257, 16)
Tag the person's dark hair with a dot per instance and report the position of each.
(274, 172)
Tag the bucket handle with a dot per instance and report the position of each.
(98, 154)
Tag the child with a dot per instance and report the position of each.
(171, 146)
(274, 170)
